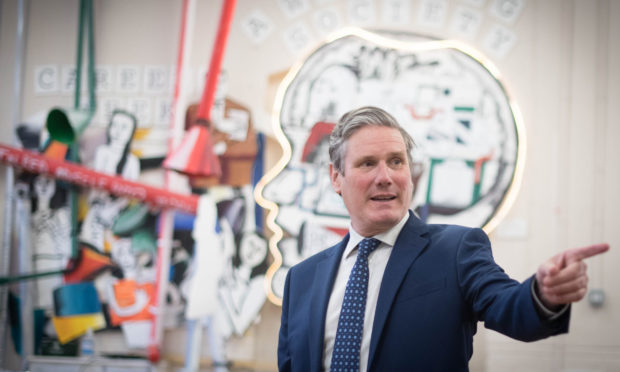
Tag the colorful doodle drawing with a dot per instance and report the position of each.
(469, 142)
(114, 157)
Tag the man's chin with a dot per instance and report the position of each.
(381, 223)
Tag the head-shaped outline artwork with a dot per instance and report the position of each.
(470, 143)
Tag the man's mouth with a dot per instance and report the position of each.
(383, 198)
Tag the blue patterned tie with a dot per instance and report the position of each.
(346, 354)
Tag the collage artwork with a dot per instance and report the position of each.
(109, 283)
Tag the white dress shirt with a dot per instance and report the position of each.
(377, 261)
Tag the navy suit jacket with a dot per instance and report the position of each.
(440, 280)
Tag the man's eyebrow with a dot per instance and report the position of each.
(397, 153)
(365, 157)
(362, 158)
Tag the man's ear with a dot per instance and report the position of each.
(334, 175)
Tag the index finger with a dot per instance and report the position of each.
(581, 253)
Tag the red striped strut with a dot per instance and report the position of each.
(82, 176)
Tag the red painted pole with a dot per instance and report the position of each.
(166, 219)
(208, 95)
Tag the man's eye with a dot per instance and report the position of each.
(397, 161)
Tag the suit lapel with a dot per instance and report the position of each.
(324, 277)
(408, 246)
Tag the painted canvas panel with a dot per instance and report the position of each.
(469, 147)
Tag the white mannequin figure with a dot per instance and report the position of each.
(200, 287)
(225, 290)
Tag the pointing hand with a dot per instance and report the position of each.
(563, 279)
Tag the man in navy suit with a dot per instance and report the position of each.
(427, 286)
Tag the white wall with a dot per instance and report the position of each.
(562, 71)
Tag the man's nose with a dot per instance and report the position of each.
(383, 175)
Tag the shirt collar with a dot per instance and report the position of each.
(387, 237)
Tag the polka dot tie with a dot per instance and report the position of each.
(346, 354)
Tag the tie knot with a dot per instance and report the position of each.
(367, 245)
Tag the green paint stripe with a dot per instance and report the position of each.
(464, 108)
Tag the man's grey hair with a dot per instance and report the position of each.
(357, 119)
